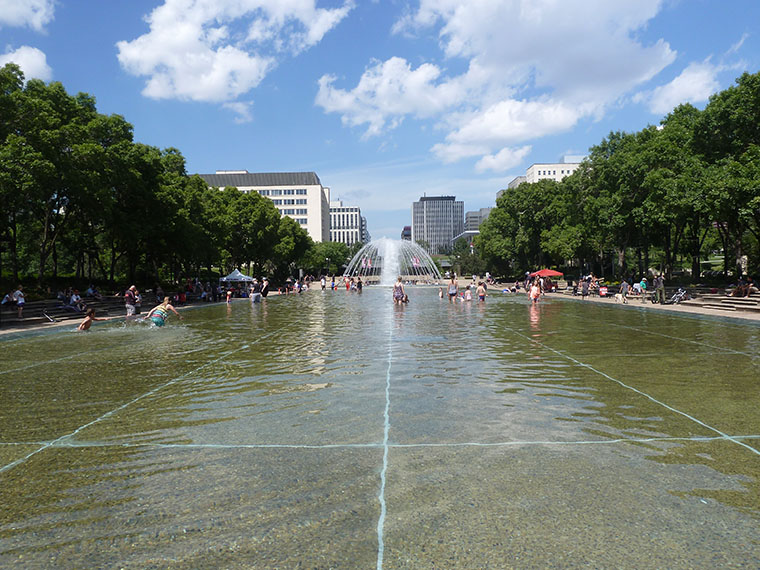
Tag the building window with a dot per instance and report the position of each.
(300, 211)
(301, 201)
(289, 192)
(301, 191)
(277, 202)
(289, 202)
(276, 192)
(301, 221)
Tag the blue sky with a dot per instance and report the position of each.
(385, 100)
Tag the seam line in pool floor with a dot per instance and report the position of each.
(380, 445)
(108, 414)
(624, 385)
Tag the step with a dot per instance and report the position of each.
(740, 301)
(719, 307)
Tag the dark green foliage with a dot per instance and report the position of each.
(81, 202)
(660, 198)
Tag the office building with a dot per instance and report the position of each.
(346, 223)
(435, 222)
(299, 195)
(553, 171)
(472, 220)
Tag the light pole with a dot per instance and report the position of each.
(327, 262)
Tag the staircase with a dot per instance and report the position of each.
(722, 303)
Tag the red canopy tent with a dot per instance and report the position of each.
(546, 273)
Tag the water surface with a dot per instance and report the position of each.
(336, 430)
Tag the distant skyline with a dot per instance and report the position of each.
(385, 101)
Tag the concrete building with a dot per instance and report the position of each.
(346, 223)
(366, 238)
(472, 220)
(406, 233)
(554, 170)
(516, 181)
(299, 195)
(436, 220)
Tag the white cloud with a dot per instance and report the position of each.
(503, 160)
(534, 68)
(386, 92)
(217, 50)
(22, 13)
(695, 84)
(242, 111)
(32, 62)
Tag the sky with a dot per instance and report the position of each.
(386, 100)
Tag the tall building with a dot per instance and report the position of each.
(299, 195)
(436, 220)
(346, 223)
(366, 238)
(472, 220)
(406, 233)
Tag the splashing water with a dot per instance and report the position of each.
(385, 259)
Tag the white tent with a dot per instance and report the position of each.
(236, 277)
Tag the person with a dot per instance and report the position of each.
(468, 294)
(584, 289)
(129, 300)
(359, 284)
(440, 292)
(229, 295)
(481, 291)
(643, 287)
(453, 290)
(332, 283)
(624, 291)
(535, 291)
(323, 282)
(160, 313)
(87, 322)
(19, 298)
(8, 299)
(255, 291)
(264, 287)
(659, 289)
(398, 291)
(76, 301)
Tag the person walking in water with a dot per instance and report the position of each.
(160, 313)
(453, 290)
(481, 291)
(535, 291)
(398, 291)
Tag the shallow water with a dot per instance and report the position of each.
(335, 430)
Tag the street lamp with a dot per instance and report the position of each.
(327, 262)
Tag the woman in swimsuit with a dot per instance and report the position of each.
(160, 313)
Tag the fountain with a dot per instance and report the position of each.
(383, 260)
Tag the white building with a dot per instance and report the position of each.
(553, 171)
(299, 195)
(346, 223)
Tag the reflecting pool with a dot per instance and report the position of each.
(337, 430)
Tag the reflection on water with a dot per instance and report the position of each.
(259, 429)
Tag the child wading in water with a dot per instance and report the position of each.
(87, 322)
